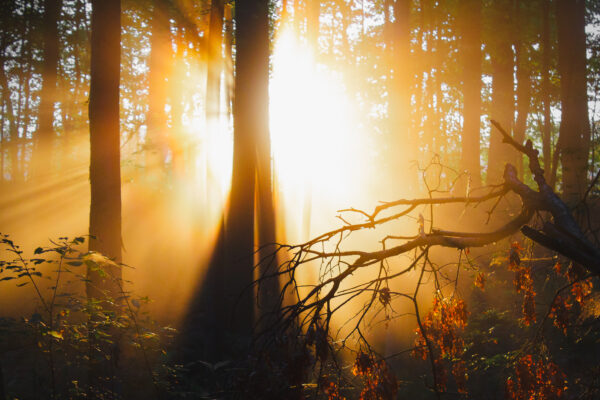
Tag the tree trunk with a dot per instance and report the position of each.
(250, 111)
(400, 91)
(160, 56)
(9, 114)
(549, 170)
(502, 107)
(177, 142)
(105, 175)
(574, 125)
(312, 25)
(45, 134)
(523, 65)
(215, 64)
(104, 278)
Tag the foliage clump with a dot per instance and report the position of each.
(536, 378)
(440, 336)
(91, 346)
(379, 381)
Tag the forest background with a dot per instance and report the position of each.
(231, 127)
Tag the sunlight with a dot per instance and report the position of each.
(316, 143)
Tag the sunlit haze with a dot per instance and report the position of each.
(319, 149)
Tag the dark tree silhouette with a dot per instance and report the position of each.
(523, 74)
(549, 165)
(105, 172)
(48, 98)
(251, 159)
(160, 60)
(471, 54)
(574, 139)
(215, 63)
(503, 103)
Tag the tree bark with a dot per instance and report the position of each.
(160, 56)
(105, 175)
(400, 91)
(312, 25)
(550, 171)
(250, 112)
(45, 133)
(574, 126)
(502, 107)
(523, 65)
(215, 63)
(9, 114)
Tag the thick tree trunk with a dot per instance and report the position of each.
(312, 25)
(178, 141)
(503, 103)
(45, 134)
(574, 125)
(268, 290)
(105, 175)
(22, 115)
(215, 64)
(8, 114)
(523, 83)
(250, 111)
(549, 170)
(104, 278)
(400, 91)
(160, 57)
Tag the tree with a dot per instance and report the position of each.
(48, 99)
(470, 46)
(439, 339)
(105, 162)
(549, 165)
(574, 139)
(399, 106)
(104, 278)
(523, 74)
(251, 162)
(228, 325)
(9, 119)
(214, 65)
(503, 104)
(313, 13)
(160, 59)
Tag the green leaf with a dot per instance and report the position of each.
(56, 335)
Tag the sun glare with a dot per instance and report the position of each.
(316, 141)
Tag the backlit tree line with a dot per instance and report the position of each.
(137, 89)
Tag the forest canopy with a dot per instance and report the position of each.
(370, 199)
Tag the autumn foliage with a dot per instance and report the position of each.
(439, 337)
(535, 378)
(523, 283)
(379, 381)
